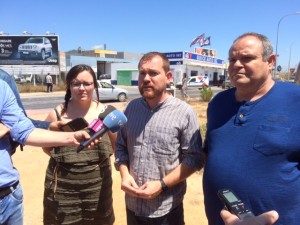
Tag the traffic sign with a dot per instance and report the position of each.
(279, 68)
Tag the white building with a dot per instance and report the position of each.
(180, 62)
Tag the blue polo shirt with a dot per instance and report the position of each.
(12, 116)
(254, 149)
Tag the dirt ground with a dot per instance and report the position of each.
(32, 163)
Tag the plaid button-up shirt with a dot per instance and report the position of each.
(153, 143)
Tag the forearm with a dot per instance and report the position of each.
(44, 138)
(124, 171)
(179, 174)
(112, 138)
(121, 153)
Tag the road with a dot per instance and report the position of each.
(34, 101)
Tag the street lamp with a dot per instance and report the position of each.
(296, 13)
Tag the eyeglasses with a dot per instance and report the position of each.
(79, 85)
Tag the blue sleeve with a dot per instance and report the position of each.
(12, 84)
(12, 116)
(121, 152)
(40, 124)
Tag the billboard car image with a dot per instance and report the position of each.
(35, 47)
(29, 50)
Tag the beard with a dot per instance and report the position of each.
(151, 92)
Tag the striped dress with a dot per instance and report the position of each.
(78, 186)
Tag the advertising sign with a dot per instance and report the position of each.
(189, 55)
(206, 52)
(177, 62)
(29, 50)
(174, 55)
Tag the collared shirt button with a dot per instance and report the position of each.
(241, 115)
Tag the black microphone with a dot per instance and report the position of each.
(105, 111)
(113, 122)
(96, 124)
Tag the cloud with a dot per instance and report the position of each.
(98, 47)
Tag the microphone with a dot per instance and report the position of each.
(113, 122)
(107, 109)
(96, 124)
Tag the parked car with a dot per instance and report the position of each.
(227, 83)
(109, 92)
(104, 76)
(106, 80)
(20, 79)
(196, 81)
(35, 47)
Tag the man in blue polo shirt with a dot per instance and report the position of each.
(252, 140)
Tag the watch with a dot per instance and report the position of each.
(163, 185)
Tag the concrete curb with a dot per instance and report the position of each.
(42, 94)
(118, 105)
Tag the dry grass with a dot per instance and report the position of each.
(28, 87)
(200, 107)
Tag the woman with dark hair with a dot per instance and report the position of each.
(78, 186)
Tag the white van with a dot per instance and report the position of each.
(195, 81)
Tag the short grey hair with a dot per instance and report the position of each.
(267, 50)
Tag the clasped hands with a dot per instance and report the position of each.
(149, 190)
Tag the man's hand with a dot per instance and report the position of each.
(267, 218)
(149, 190)
(4, 130)
(129, 185)
(81, 136)
(56, 125)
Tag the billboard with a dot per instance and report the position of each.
(206, 52)
(203, 58)
(29, 50)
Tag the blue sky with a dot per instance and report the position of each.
(162, 25)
